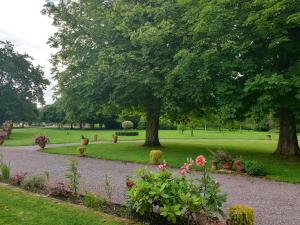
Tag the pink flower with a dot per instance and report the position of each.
(162, 166)
(200, 160)
(185, 168)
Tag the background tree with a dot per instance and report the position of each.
(118, 52)
(21, 85)
(251, 50)
(52, 114)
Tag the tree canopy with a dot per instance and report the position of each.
(251, 50)
(21, 85)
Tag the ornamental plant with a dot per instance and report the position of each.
(155, 156)
(127, 125)
(41, 141)
(176, 197)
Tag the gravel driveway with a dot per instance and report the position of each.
(275, 203)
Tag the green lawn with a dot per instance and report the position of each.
(26, 136)
(175, 153)
(21, 208)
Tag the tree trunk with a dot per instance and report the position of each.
(71, 127)
(288, 142)
(152, 124)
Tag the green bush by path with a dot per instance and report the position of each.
(175, 152)
(22, 137)
(21, 208)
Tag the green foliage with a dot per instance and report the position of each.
(254, 168)
(155, 156)
(92, 200)
(108, 188)
(73, 176)
(221, 156)
(34, 183)
(5, 171)
(174, 196)
(52, 113)
(241, 215)
(127, 125)
(81, 150)
(127, 133)
(21, 85)
(127, 59)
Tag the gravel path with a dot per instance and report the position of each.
(275, 203)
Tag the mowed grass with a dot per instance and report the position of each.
(21, 208)
(25, 137)
(175, 152)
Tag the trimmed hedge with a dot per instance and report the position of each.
(127, 133)
(241, 215)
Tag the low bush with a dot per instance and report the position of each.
(155, 156)
(127, 133)
(17, 179)
(92, 200)
(241, 215)
(41, 141)
(175, 197)
(73, 176)
(58, 189)
(34, 184)
(254, 168)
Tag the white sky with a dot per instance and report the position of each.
(22, 23)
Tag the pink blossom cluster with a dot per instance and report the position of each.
(163, 166)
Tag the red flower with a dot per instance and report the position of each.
(200, 160)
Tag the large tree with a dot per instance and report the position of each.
(251, 50)
(21, 85)
(119, 52)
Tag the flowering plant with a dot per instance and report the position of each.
(176, 197)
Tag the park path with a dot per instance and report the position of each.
(275, 203)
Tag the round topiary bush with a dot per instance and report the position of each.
(127, 125)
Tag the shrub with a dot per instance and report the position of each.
(155, 156)
(41, 141)
(5, 171)
(175, 197)
(73, 176)
(254, 168)
(81, 150)
(127, 133)
(221, 156)
(92, 200)
(241, 215)
(127, 125)
(58, 189)
(34, 183)
(17, 179)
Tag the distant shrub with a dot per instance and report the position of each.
(34, 184)
(127, 125)
(155, 156)
(254, 168)
(241, 215)
(166, 124)
(93, 201)
(17, 179)
(127, 133)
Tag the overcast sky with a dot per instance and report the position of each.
(22, 23)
